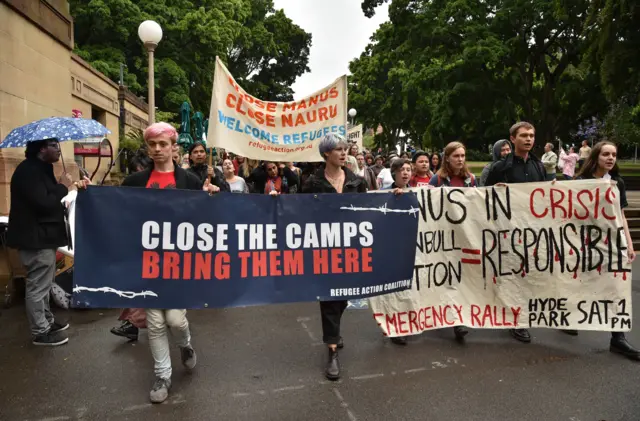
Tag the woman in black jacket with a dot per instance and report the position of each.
(198, 167)
(334, 177)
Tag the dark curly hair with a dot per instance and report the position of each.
(34, 148)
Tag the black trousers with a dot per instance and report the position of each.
(331, 313)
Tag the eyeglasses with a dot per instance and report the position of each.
(55, 146)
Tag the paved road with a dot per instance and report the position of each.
(265, 363)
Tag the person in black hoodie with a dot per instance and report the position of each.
(501, 149)
(334, 177)
(36, 229)
(520, 166)
(198, 167)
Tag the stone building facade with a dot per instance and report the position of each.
(41, 77)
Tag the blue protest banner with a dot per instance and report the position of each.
(150, 248)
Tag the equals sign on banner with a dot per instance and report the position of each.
(473, 256)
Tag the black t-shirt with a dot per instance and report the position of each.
(623, 191)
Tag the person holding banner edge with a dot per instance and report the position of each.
(401, 173)
(601, 163)
(333, 178)
(454, 173)
(36, 229)
(520, 166)
(166, 174)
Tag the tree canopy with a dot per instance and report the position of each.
(467, 69)
(246, 34)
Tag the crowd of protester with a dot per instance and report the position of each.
(345, 169)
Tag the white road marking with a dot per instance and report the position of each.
(367, 376)
(62, 418)
(81, 412)
(241, 395)
(415, 370)
(302, 321)
(137, 407)
(345, 405)
(282, 389)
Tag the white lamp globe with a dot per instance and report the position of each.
(352, 112)
(150, 32)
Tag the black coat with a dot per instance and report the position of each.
(514, 169)
(36, 218)
(318, 183)
(258, 178)
(202, 172)
(185, 180)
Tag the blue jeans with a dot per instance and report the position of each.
(551, 176)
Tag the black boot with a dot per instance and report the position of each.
(399, 340)
(126, 330)
(460, 332)
(332, 372)
(619, 345)
(521, 334)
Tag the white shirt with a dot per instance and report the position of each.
(384, 178)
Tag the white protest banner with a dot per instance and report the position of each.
(278, 131)
(520, 256)
(354, 135)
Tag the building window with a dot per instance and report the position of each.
(99, 115)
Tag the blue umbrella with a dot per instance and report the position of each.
(59, 128)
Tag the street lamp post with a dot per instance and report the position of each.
(150, 34)
(352, 114)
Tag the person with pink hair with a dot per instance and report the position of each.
(165, 174)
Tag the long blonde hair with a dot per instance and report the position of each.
(445, 169)
(247, 167)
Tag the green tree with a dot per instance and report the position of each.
(246, 34)
(614, 41)
(466, 70)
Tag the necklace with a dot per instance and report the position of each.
(338, 177)
(336, 182)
